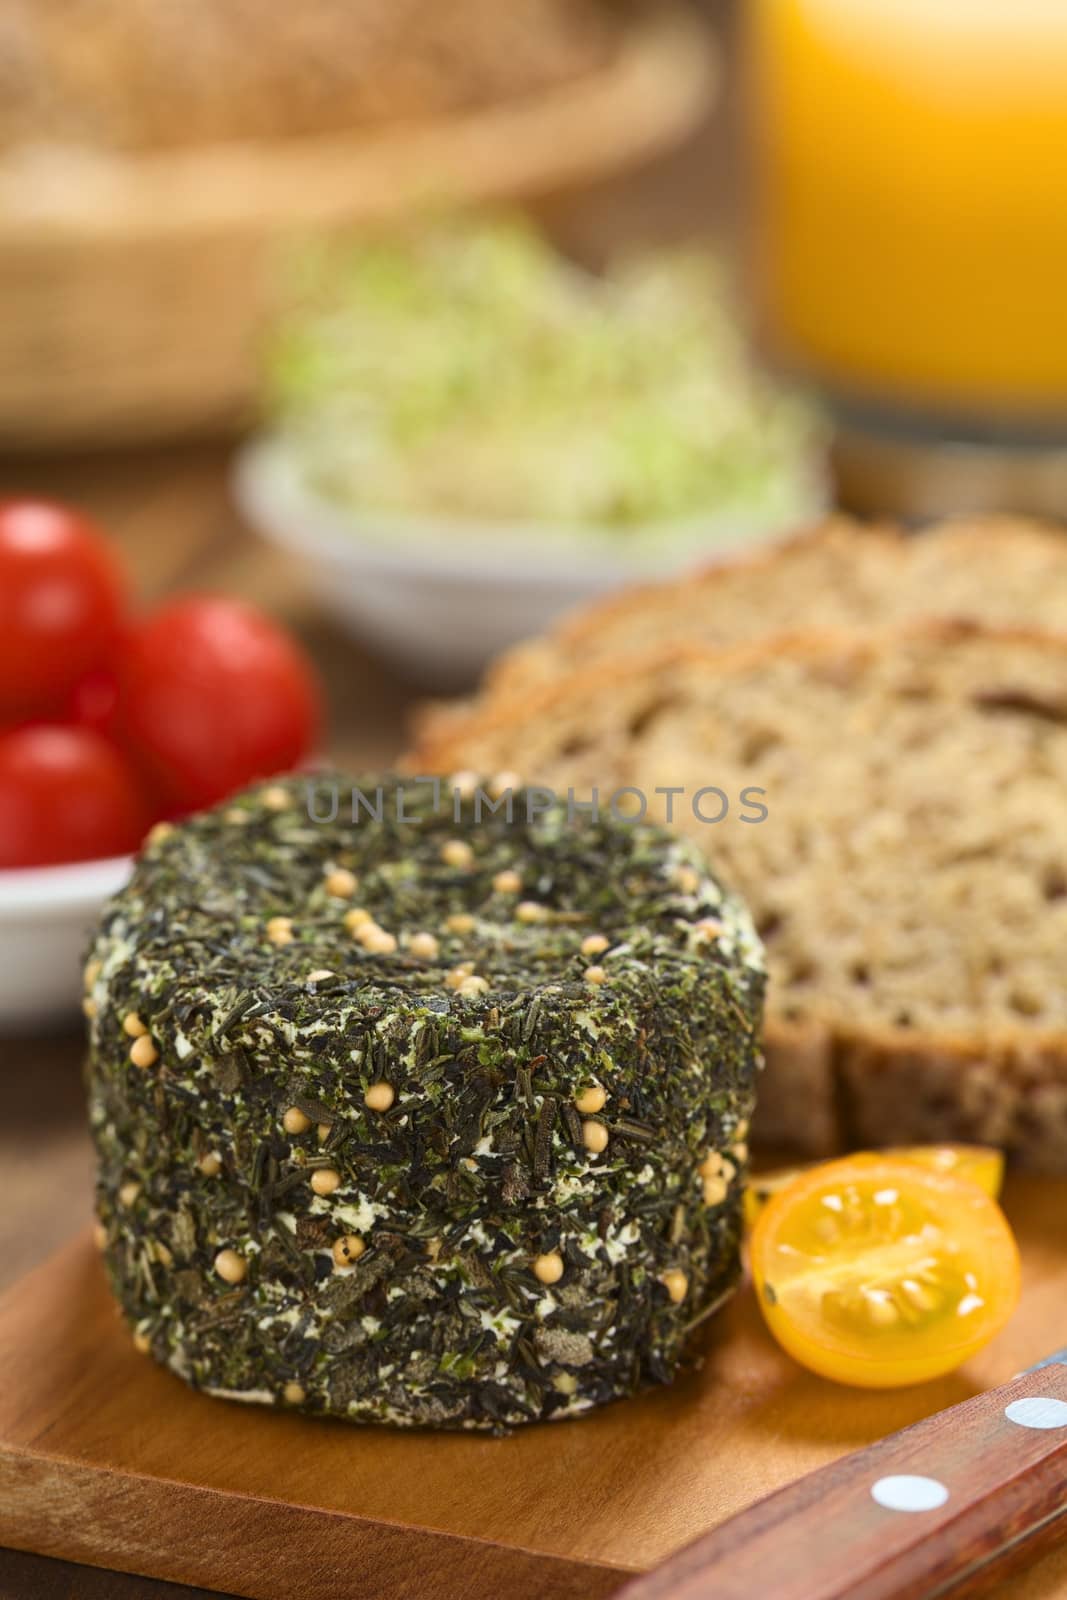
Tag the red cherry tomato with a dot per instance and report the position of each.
(212, 695)
(61, 595)
(66, 794)
(94, 700)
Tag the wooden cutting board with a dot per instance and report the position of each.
(107, 1459)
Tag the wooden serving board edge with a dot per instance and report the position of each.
(262, 1549)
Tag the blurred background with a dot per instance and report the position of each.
(398, 327)
(471, 314)
(411, 325)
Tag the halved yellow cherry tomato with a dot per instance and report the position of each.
(761, 1190)
(877, 1272)
(980, 1162)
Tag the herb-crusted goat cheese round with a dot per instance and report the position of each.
(426, 1117)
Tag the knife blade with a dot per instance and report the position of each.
(947, 1506)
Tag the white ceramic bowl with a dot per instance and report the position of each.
(46, 915)
(439, 597)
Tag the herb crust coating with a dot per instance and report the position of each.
(343, 1177)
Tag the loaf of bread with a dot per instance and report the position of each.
(910, 876)
(136, 74)
(840, 574)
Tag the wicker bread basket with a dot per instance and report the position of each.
(133, 287)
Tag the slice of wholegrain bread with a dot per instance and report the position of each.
(909, 879)
(832, 574)
(999, 570)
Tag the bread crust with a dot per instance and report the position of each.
(507, 673)
(797, 1091)
(970, 541)
(441, 748)
(951, 1087)
(548, 657)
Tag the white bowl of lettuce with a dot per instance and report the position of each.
(467, 434)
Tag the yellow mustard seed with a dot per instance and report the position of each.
(676, 1284)
(231, 1267)
(143, 1052)
(347, 1249)
(501, 782)
(379, 1097)
(594, 1137)
(548, 1268)
(457, 853)
(341, 883)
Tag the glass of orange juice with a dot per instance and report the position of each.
(911, 217)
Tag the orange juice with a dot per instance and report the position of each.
(912, 177)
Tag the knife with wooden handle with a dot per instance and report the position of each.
(945, 1507)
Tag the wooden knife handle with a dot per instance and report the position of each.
(987, 1481)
